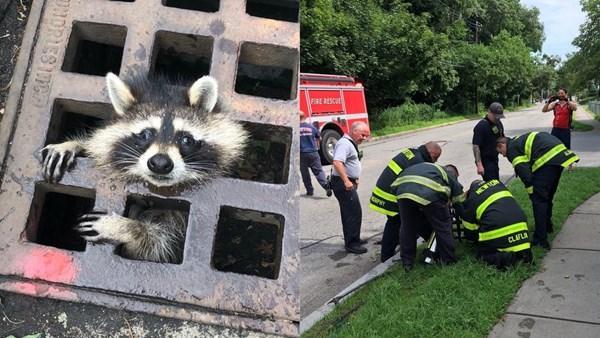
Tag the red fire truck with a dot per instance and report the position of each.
(332, 103)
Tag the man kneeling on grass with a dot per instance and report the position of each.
(493, 219)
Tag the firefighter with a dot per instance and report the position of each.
(485, 134)
(538, 159)
(424, 191)
(385, 202)
(492, 218)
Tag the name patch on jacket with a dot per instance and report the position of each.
(486, 186)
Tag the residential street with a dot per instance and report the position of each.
(326, 268)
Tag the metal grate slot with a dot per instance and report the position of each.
(181, 57)
(285, 10)
(75, 118)
(267, 71)
(157, 210)
(195, 5)
(53, 215)
(267, 156)
(94, 49)
(248, 242)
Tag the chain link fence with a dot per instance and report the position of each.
(595, 107)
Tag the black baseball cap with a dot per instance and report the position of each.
(497, 109)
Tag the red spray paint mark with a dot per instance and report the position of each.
(51, 265)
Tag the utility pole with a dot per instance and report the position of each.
(476, 80)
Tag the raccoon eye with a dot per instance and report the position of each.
(146, 134)
(187, 141)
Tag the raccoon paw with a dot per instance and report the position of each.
(98, 226)
(58, 158)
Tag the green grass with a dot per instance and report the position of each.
(420, 124)
(462, 300)
(579, 126)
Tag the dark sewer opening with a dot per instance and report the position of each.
(123, 0)
(195, 5)
(94, 49)
(53, 215)
(267, 71)
(285, 10)
(76, 118)
(181, 58)
(248, 242)
(267, 155)
(166, 212)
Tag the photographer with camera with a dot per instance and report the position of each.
(563, 110)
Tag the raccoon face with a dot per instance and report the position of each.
(166, 141)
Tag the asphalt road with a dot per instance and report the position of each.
(327, 269)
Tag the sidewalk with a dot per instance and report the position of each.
(563, 300)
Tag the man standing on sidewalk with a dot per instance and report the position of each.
(344, 182)
(538, 159)
(563, 116)
(384, 201)
(485, 134)
(309, 156)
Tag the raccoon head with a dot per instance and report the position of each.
(166, 135)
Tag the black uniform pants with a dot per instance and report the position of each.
(563, 134)
(545, 183)
(502, 260)
(422, 220)
(350, 210)
(491, 171)
(312, 161)
(391, 237)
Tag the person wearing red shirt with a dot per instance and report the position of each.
(563, 113)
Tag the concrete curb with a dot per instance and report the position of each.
(310, 320)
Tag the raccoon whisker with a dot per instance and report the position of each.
(201, 165)
(124, 162)
(202, 169)
(129, 148)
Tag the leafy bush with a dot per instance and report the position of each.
(408, 113)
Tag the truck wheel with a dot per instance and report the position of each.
(329, 138)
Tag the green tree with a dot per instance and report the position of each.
(395, 53)
(584, 66)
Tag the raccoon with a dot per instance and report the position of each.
(163, 135)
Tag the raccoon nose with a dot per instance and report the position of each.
(160, 164)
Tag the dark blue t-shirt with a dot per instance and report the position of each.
(308, 136)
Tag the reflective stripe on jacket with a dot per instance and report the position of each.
(493, 218)
(425, 183)
(531, 151)
(383, 200)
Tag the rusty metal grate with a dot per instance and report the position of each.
(251, 48)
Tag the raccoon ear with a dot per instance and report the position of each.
(204, 93)
(119, 93)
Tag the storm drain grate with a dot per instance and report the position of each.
(240, 259)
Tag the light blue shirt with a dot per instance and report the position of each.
(345, 152)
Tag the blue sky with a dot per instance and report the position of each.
(561, 19)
